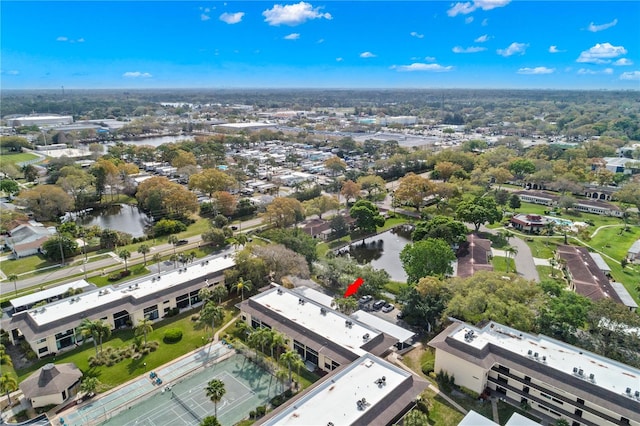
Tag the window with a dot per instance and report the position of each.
(43, 350)
(65, 339)
(580, 401)
(578, 412)
(151, 313)
(193, 297)
(182, 301)
(525, 389)
(166, 301)
(527, 378)
(41, 340)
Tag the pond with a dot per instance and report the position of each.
(119, 217)
(383, 251)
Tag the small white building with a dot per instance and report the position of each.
(52, 384)
(27, 239)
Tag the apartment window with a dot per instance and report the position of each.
(580, 401)
(578, 412)
(41, 340)
(525, 389)
(43, 350)
(182, 301)
(502, 379)
(503, 369)
(166, 301)
(624, 421)
(151, 312)
(527, 378)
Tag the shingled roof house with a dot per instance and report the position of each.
(52, 384)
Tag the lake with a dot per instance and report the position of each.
(383, 251)
(119, 217)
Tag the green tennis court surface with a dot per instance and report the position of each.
(185, 402)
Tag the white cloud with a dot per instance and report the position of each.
(622, 62)
(485, 22)
(584, 71)
(416, 35)
(513, 49)
(80, 40)
(470, 49)
(468, 20)
(595, 28)
(554, 49)
(10, 72)
(601, 53)
(418, 66)
(367, 55)
(62, 38)
(204, 17)
(536, 70)
(232, 18)
(430, 58)
(339, 59)
(293, 14)
(136, 74)
(483, 38)
(320, 41)
(631, 75)
(292, 36)
(468, 7)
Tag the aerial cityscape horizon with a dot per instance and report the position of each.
(497, 44)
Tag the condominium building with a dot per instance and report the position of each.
(54, 327)
(552, 377)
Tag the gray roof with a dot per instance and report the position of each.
(600, 263)
(50, 380)
(624, 295)
(635, 247)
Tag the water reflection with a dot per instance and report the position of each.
(383, 251)
(119, 217)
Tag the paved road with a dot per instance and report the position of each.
(525, 265)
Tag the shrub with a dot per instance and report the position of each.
(168, 226)
(427, 365)
(172, 335)
(252, 414)
(261, 410)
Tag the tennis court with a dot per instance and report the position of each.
(185, 402)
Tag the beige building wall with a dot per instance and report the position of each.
(466, 374)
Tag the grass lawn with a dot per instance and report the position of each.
(441, 413)
(500, 264)
(24, 265)
(103, 280)
(16, 157)
(615, 241)
(394, 287)
(192, 338)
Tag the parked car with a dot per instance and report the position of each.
(400, 315)
(182, 242)
(379, 304)
(388, 307)
(365, 299)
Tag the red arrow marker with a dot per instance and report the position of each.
(353, 288)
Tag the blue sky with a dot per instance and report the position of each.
(320, 44)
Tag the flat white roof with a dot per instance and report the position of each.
(335, 400)
(315, 295)
(75, 306)
(607, 374)
(47, 293)
(330, 324)
(246, 125)
(402, 334)
(473, 418)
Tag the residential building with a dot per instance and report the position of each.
(48, 295)
(52, 384)
(554, 378)
(368, 391)
(584, 275)
(538, 197)
(598, 207)
(54, 327)
(633, 254)
(474, 255)
(27, 239)
(531, 223)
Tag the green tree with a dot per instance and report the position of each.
(14, 279)
(291, 359)
(144, 327)
(210, 315)
(284, 211)
(413, 190)
(210, 421)
(144, 249)
(46, 202)
(88, 385)
(215, 391)
(241, 285)
(8, 384)
(173, 240)
(443, 227)
(367, 216)
(346, 305)
(511, 252)
(429, 257)
(9, 186)
(219, 292)
(53, 245)
(424, 303)
(564, 312)
(210, 181)
(478, 211)
(514, 202)
(30, 173)
(124, 254)
(5, 359)
(522, 167)
(416, 418)
(320, 205)
(89, 328)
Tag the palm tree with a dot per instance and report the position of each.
(240, 286)
(204, 294)
(511, 252)
(173, 240)
(14, 278)
(242, 239)
(8, 384)
(103, 330)
(145, 326)
(277, 340)
(5, 359)
(210, 314)
(281, 375)
(215, 391)
(219, 292)
(291, 359)
(89, 385)
(124, 254)
(174, 258)
(144, 249)
(157, 258)
(89, 328)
